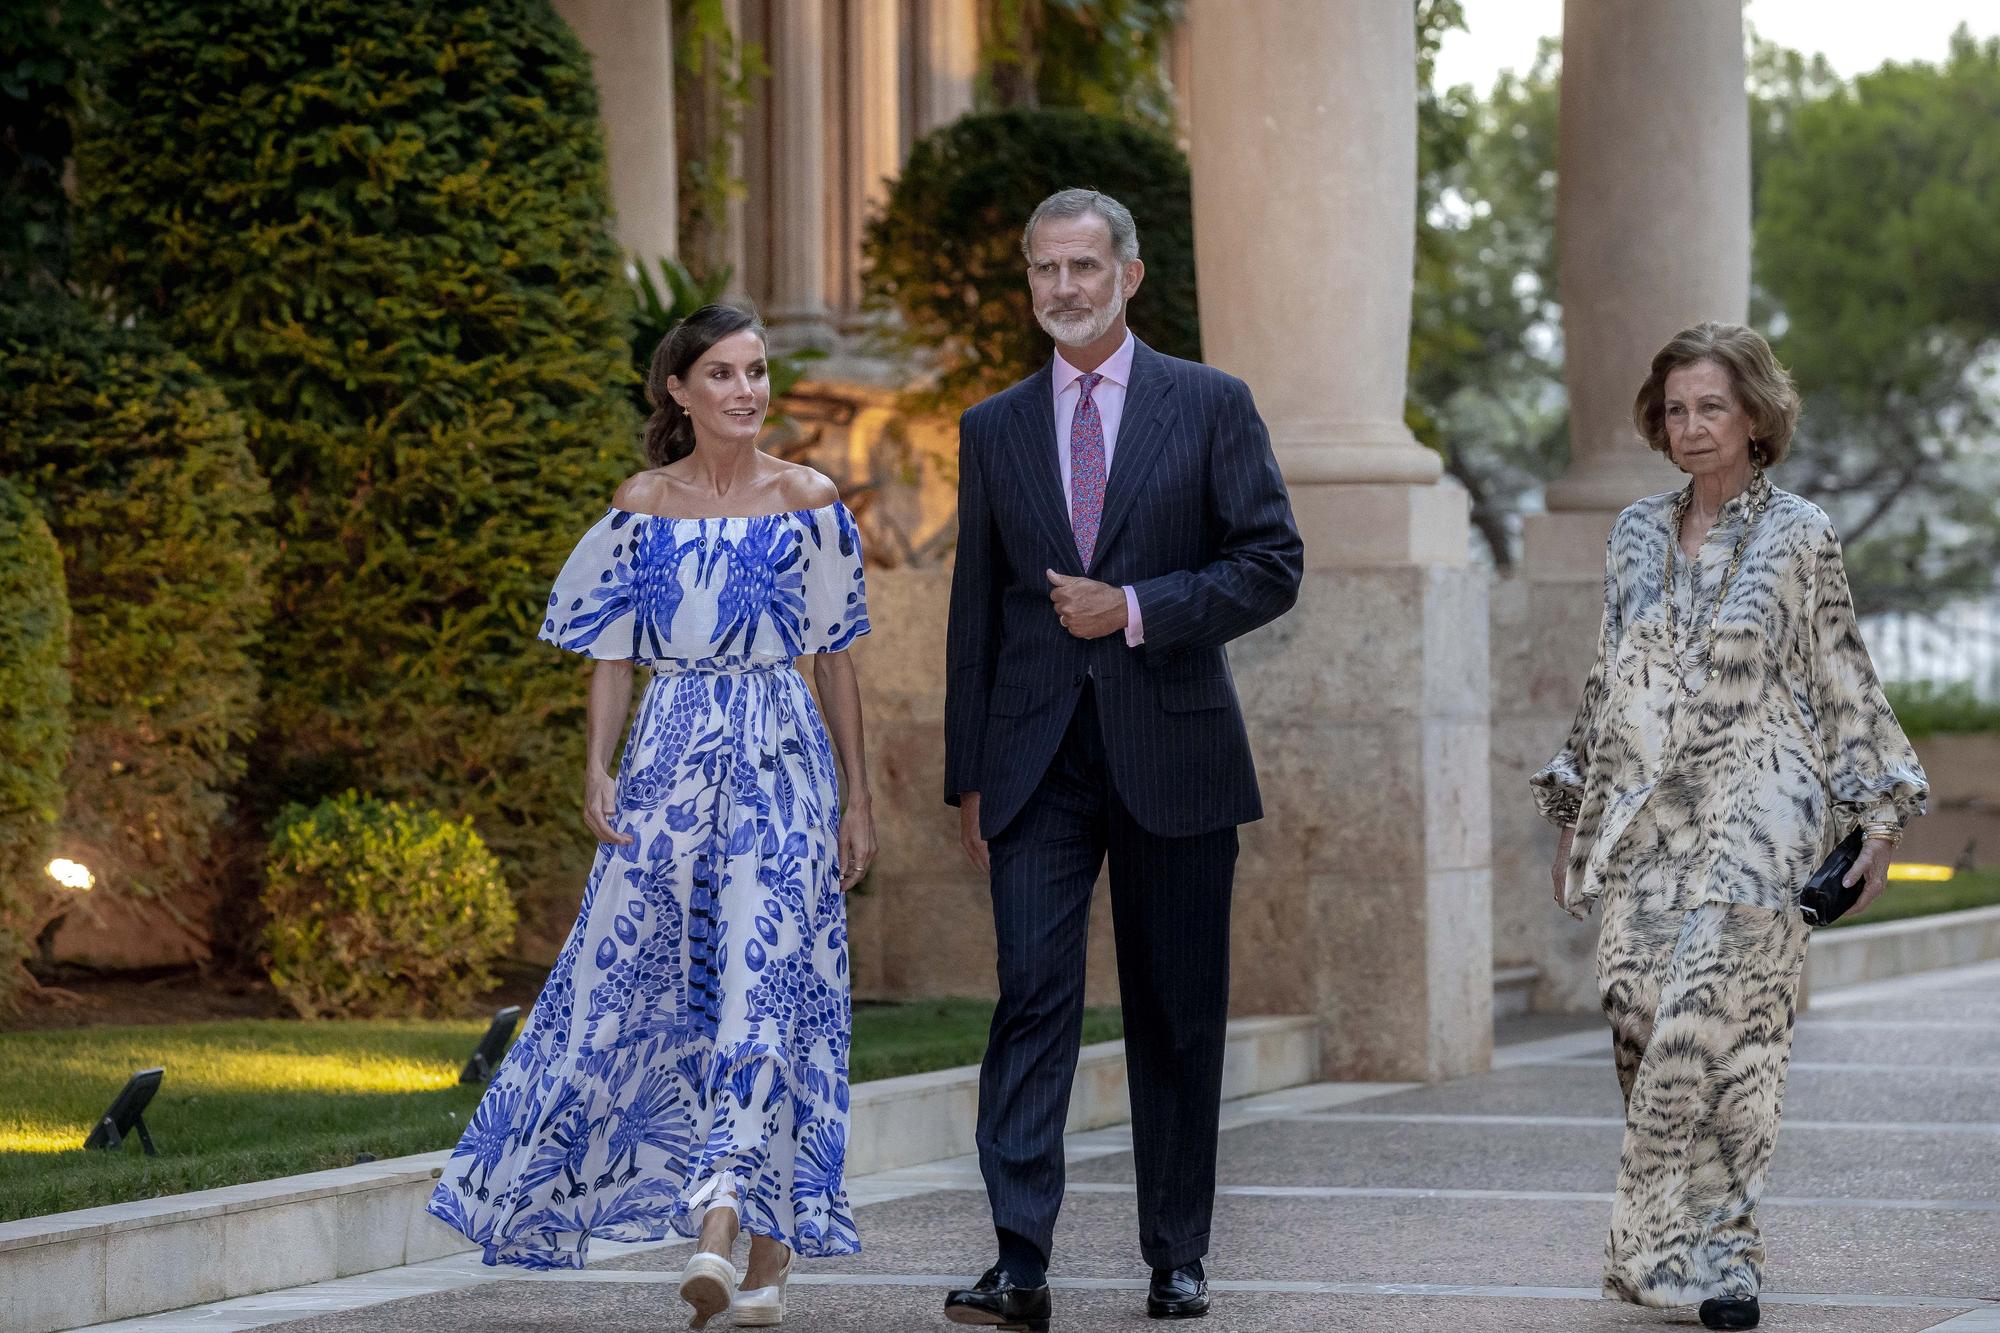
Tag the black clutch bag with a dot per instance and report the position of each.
(1824, 898)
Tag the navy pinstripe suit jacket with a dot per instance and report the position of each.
(1196, 520)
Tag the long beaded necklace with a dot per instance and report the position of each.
(1756, 497)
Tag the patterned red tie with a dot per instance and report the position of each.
(1086, 470)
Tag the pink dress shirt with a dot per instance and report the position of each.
(1110, 399)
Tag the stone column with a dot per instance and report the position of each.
(1652, 234)
(874, 136)
(632, 52)
(798, 314)
(731, 249)
(950, 65)
(1364, 896)
(1652, 216)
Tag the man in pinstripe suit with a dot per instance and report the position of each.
(1121, 518)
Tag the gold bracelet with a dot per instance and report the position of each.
(1880, 832)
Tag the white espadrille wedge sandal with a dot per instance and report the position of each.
(708, 1283)
(763, 1307)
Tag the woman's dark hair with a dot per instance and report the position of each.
(670, 431)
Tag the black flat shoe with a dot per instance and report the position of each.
(1180, 1293)
(999, 1302)
(1729, 1312)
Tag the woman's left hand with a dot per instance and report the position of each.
(1873, 866)
(857, 845)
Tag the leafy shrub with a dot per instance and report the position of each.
(141, 469)
(34, 722)
(382, 224)
(945, 251)
(378, 909)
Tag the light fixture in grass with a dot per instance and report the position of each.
(381, 910)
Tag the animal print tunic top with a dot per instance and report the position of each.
(1726, 775)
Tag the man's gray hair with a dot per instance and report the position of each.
(1066, 204)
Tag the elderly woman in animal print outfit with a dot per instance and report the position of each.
(1732, 729)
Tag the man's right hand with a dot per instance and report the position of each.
(968, 831)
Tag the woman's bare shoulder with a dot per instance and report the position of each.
(642, 493)
(804, 487)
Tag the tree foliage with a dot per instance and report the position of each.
(142, 470)
(43, 50)
(383, 227)
(1099, 56)
(1878, 260)
(945, 252)
(34, 725)
(1485, 385)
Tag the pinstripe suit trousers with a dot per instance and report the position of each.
(1170, 917)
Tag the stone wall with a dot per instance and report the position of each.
(1543, 635)
(1965, 801)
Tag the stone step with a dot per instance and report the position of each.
(125, 1260)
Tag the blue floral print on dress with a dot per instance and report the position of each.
(697, 1020)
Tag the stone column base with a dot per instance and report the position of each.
(1364, 896)
(1544, 632)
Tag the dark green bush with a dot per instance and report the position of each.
(1932, 708)
(43, 50)
(382, 225)
(141, 469)
(946, 250)
(380, 910)
(34, 723)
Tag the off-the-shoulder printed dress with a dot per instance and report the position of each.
(692, 1040)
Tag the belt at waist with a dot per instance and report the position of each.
(720, 666)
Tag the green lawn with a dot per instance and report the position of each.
(257, 1099)
(1908, 898)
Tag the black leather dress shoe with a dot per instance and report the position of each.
(1180, 1293)
(998, 1302)
(1729, 1312)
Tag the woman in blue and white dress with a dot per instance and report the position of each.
(685, 1068)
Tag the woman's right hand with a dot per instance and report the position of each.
(1559, 872)
(600, 807)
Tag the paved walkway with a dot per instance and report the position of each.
(1474, 1205)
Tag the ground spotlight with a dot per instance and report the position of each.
(491, 1046)
(127, 1114)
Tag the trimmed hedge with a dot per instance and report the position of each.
(34, 723)
(946, 250)
(141, 469)
(377, 910)
(383, 226)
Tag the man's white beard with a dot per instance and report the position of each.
(1072, 331)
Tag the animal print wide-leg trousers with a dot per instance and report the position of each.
(1701, 1004)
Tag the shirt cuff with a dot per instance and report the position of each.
(1135, 626)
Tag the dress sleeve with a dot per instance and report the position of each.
(836, 589)
(591, 608)
(1559, 785)
(1871, 769)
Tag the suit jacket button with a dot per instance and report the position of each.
(1077, 679)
